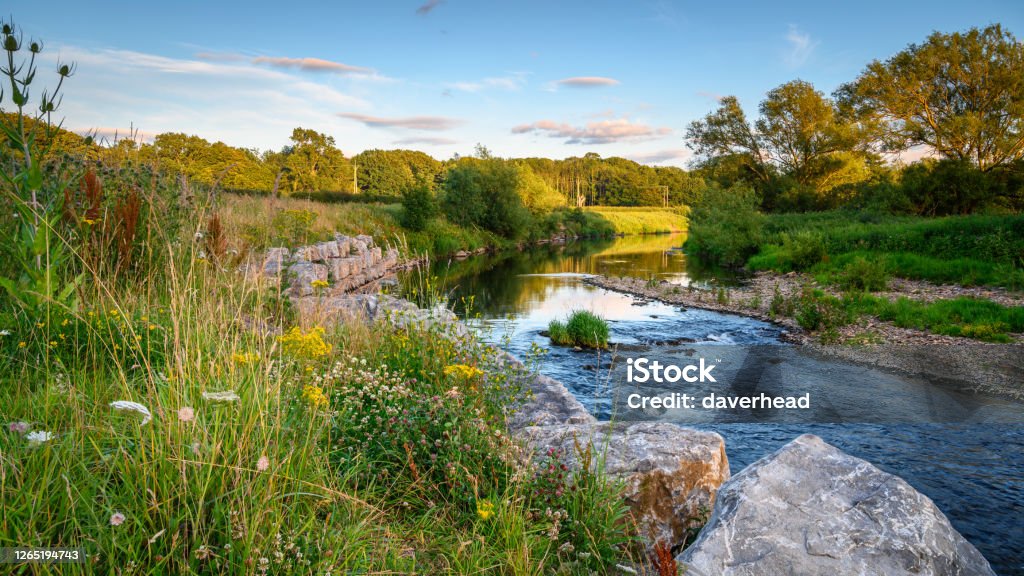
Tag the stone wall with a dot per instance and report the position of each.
(345, 263)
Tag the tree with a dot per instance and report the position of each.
(800, 133)
(962, 94)
(727, 133)
(485, 192)
(314, 163)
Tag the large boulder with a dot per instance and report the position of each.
(671, 474)
(811, 509)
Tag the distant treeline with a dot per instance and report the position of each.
(313, 166)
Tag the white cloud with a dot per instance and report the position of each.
(226, 98)
(587, 82)
(509, 82)
(801, 46)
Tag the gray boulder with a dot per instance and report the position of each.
(811, 509)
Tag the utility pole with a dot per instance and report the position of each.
(355, 178)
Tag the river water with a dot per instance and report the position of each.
(964, 451)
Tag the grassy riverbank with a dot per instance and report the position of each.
(261, 221)
(642, 220)
(836, 246)
(170, 416)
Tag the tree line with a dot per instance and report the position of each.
(959, 96)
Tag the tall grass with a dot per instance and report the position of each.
(965, 250)
(642, 220)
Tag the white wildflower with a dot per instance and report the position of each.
(226, 396)
(38, 437)
(5, 332)
(133, 407)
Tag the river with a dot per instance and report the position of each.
(962, 450)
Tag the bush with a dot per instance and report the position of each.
(725, 227)
(866, 275)
(419, 207)
(804, 248)
(582, 329)
(484, 193)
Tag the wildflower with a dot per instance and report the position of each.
(186, 414)
(225, 396)
(90, 221)
(5, 332)
(309, 344)
(19, 427)
(319, 284)
(116, 519)
(315, 396)
(263, 463)
(22, 344)
(243, 358)
(463, 371)
(484, 509)
(198, 236)
(38, 437)
(133, 407)
(152, 326)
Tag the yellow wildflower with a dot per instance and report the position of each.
(319, 284)
(90, 221)
(305, 345)
(152, 326)
(463, 371)
(22, 344)
(243, 358)
(484, 509)
(315, 396)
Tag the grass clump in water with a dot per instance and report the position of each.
(583, 328)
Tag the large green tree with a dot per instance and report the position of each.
(962, 94)
(314, 163)
(800, 134)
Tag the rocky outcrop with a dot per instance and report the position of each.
(345, 264)
(812, 509)
(670, 474)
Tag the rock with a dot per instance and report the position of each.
(328, 250)
(303, 274)
(812, 509)
(548, 402)
(275, 260)
(322, 310)
(671, 473)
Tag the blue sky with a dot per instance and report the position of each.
(551, 79)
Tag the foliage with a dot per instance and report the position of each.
(863, 274)
(725, 227)
(583, 328)
(800, 135)
(418, 207)
(485, 193)
(961, 94)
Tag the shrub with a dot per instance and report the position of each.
(484, 193)
(582, 329)
(805, 248)
(863, 274)
(418, 207)
(725, 227)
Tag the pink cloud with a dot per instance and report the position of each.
(600, 132)
(435, 123)
(311, 65)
